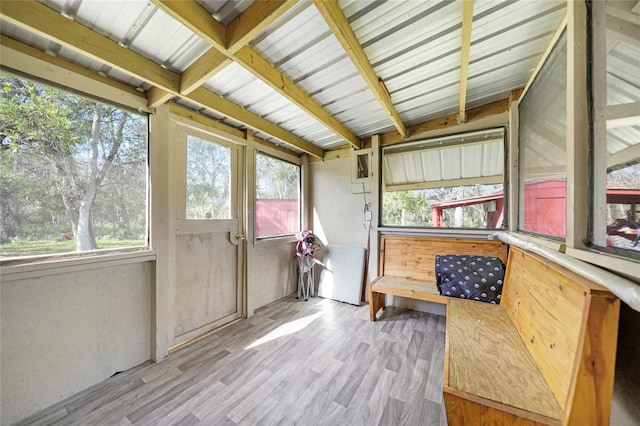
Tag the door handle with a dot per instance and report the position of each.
(240, 237)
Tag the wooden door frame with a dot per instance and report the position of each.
(180, 132)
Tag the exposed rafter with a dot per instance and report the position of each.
(262, 69)
(9, 43)
(195, 17)
(340, 27)
(202, 70)
(191, 15)
(227, 108)
(193, 77)
(253, 21)
(483, 113)
(39, 19)
(467, 23)
(157, 97)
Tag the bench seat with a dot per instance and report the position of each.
(413, 289)
(497, 367)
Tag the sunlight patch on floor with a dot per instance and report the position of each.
(285, 329)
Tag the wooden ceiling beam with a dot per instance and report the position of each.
(254, 20)
(45, 22)
(227, 108)
(339, 25)
(417, 131)
(195, 17)
(157, 97)
(620, 159)
(39, 19)
(261, 68)
(205, 67)
(7, 42)
(467, 23)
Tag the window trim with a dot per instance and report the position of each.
(443, 141)
(79, 85)
(235, 155)
(519, 221)
(15, 269)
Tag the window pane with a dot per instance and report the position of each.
(542, 148)
(616, 213)
(623, 189)
(475, 206)
(73, 172)
(452, 182)
(277, 197)
(208, 180)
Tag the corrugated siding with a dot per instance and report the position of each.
(472, 156)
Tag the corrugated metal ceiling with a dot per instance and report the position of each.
(414, 46)
(436, 162)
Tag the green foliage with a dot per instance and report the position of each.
(276, 179)
(208, 179)
(405, 208)
(28, 248)
(62, 156)
(413, 208)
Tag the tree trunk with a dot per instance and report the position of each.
(458, 217)
(72, 212)
(85, 239)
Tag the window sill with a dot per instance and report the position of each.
(39, 266)
(627, 268)
(438, 232)
(559, 246)
(273, 241)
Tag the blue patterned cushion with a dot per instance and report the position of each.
(470, 277)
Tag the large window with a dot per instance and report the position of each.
(543, 148)
(448, 182)
(616, 138)
(73, 172)
(616, 168)
(277, 197)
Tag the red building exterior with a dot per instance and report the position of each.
(277, 217)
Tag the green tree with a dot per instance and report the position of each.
(406, 208)
(64, 147)
(208, 179)
(276, 179)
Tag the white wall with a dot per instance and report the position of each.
(272, 274)
(64, 332)
(338, 216)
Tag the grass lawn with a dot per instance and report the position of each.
(28, 248)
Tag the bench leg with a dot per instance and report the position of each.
(376, 302)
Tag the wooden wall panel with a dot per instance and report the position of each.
(594, 381)
(548, 306)
(414, 257)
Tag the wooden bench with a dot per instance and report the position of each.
(407, 266)
(545, 355)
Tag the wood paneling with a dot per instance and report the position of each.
(547, 307)
(414, 257)
(594, 381)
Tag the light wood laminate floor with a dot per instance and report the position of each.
(318, 362)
